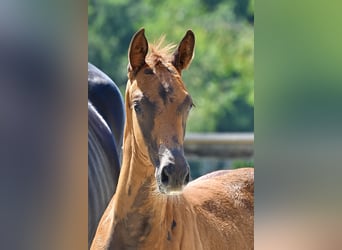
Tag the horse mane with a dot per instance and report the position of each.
(158, 52)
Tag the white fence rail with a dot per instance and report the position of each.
(220, 145)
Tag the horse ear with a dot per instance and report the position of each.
(184, 54)
(137, 51)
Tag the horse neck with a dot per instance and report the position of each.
(136, 174)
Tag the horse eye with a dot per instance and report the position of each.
(137, 108)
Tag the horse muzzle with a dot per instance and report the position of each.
(173, 172)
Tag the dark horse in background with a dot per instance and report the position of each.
(105, 130)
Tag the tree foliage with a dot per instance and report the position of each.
(221, 77)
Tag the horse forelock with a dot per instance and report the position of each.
(160, 53)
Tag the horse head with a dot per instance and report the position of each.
(157, 105)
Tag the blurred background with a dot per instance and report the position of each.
(220, 78)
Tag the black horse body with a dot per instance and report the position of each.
(105, 96)
(105, 130)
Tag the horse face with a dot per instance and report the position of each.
(160, 105)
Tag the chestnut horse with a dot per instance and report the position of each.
(154, 206)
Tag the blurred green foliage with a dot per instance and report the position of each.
(221, 77)
(242, 164)
(201, 166)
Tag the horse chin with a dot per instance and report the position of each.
(175, 192)
(170, 191)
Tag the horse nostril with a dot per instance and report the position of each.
(164, 177)
(187, 178)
